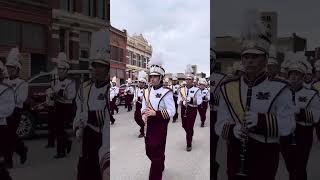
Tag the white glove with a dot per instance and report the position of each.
(134, 100)
(184, 103)
(78, 134)
(188, 99)
(251, 118)
(237, 131)
(144, 118)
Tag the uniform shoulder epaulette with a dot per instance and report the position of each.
(278, 80)
(164, 87)
(230, 79)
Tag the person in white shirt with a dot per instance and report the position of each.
(205, 99)
(129, 94)
(138, 96)
(92, 121)
(296, 147)
(254, 111)
(20, 87)
(157, 109)
(114, 92)
(189, 99)
(7, 106)
(175, 86)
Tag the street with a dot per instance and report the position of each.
(282, 174)
(129, 161)
(41, 165)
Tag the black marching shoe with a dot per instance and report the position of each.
(202, 124)
(141, 136)
(189, 148)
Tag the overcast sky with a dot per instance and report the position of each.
(300, 16)
(179, 30)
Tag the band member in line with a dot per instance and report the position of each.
(175, 86)
(254, 110)
(129, 94)
(296, 147)
(205, 99)
(7, 106)
(215, 80)
(114, 92)
(189, 98)
(20, 87)
(64, 93)
(138, 96)
(157, 109)
(166, 83)
(272, 66)
(92, 116)
(316, 86)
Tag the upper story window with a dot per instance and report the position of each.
(87, 7)
(66, 5)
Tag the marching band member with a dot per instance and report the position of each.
(205, 99)
(20, 87)
(114, 92)
(157, 109)
(175, 87)
(129, 94)
(254, 111)
(138, 96)
(64, 93)
(166, 83)
(296, 147)
(216, 80)
(189, 98)
(91, 124)
(7, 106)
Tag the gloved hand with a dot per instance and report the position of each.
(188, 99)
(78, 134)
(251, 118)
(184, 103)
(237, 131)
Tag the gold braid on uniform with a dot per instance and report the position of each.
(305, 116)
(227, 130)
(267, 125)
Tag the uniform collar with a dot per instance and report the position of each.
(101, 84)
(298, 89)
(157, 87)
(260, 78)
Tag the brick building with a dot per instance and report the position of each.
(25, 24)
(43, 28)
(118, 54)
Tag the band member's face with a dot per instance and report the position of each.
(62, 72)
(272, 69)
(12, 71)
(254, 63)
(308, 77)
(202, 86)
(141, 84)
(189, 82)
(154, 80)
(174, 82)
(113, 84)
(166, 83)
(100, 71)
(296, 77)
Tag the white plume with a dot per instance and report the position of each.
(252, 25)
(142, 74)
(189, 69)
(157, 59)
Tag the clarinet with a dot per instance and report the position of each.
(243, 171)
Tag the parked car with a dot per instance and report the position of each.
(35, 110)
